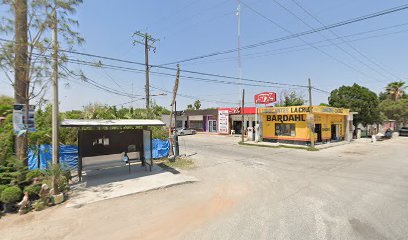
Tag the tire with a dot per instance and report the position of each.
(182, 134)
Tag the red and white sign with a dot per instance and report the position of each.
(223, 123)
(265, 97)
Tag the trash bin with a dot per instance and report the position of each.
(251, 135)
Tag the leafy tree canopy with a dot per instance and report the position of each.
(197, 104)
(395, 110)
(357, 99)
(291, 98)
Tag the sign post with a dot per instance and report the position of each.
(262, 98)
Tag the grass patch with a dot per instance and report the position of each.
(281, 146)
(180, 163)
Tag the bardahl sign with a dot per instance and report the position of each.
(265, 97)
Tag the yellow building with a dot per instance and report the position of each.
(291, 124)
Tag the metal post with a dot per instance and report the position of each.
(311, 112)
(243, 116)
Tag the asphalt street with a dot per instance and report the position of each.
(353, 191)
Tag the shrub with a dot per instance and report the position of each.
(33, 191)
(34, 174)
(39, 205)
(11, 194)
(2, 187)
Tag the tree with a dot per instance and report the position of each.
(357, 99)
(290, 98)
(197, 104)
(190, 107)
(27, 55)
(396, 90)
(6, 106)
(395, 110)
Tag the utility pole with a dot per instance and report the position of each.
(21, 84)
(55, 110)
(311, 116)
(173, 101)
(243, 116)
(148, 42)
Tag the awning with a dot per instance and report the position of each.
(111, 122)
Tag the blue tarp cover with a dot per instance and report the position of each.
(160, 148)
(69, 154)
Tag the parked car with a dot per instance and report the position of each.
(185, 131)
(403, 131)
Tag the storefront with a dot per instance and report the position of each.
(230, 119)
(291, 124)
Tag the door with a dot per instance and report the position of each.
(333, 132)
(318, 131)
(212, 126)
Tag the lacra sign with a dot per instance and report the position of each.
(286, 118)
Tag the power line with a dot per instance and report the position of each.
(335, 25)
(193, 97)
(346, 42)
(316, 48)
(276, 51)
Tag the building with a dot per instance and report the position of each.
(230, 119)
(290, 124)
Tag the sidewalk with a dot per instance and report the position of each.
(117, 182)
(276, 145)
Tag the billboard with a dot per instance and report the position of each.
(223, 121)
(19, 122)
(265, 97)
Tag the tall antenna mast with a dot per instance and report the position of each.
(239, 40)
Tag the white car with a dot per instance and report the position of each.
(185, 131)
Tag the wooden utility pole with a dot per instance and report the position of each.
(55, 109)
(243, 116)
(173, 100)
(147, 86)
(311, 128)
(148, 42)
(21, 83)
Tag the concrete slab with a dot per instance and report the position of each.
(116, 182)
(318, 146)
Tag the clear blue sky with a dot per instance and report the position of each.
(188, 28)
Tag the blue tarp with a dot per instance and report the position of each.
(160, 148)
(68, 157)
(69, 154)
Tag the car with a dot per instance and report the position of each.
(185, 131)
(403, 131)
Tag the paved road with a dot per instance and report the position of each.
(354, 191)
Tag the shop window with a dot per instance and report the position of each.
(196, 125)
(285, 129)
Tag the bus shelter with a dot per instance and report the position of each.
(97, 137)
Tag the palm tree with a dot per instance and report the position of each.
(396, 90)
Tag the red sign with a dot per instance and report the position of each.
(265, 97)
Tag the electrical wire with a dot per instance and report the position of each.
(284, 38)
(347, 42)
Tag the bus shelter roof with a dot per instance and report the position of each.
(111, 122)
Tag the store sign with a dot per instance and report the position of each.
(286, 118)
(20, 125)
(265, 97)
(223, 121)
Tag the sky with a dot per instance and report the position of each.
(371, 53)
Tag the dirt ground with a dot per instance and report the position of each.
(353, 191)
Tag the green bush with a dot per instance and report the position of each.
(34, 174)
(39, 205)
(2, 187)
(33, 191)
(11, 195)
